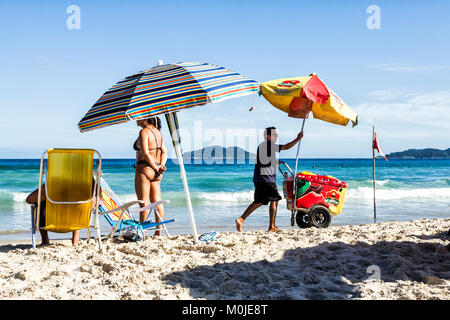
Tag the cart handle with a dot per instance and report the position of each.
(286, 165)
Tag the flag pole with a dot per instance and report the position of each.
(373, 159)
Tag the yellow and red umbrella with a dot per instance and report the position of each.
(300, 95)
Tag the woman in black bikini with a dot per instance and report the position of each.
(151, 158)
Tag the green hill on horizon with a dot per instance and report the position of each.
(427, 153)
(218, 152)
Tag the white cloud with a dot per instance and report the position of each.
(407, 67)
(402, 109)
(389, 94)
(431, 98)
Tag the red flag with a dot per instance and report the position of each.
(376, 146)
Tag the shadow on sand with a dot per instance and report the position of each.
(328, 271)
(441, 235)
(7, 247)
(10, 247)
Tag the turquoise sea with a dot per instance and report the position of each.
(406, 190)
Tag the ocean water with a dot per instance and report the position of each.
(406, 190)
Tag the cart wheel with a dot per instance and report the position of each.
(302, 220)
(319, 217)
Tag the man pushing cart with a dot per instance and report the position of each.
(314, 197)
(264, 177)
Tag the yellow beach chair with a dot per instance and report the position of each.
(70, 191)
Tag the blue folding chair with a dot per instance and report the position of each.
(119, 215)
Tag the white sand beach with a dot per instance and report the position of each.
(392, 260)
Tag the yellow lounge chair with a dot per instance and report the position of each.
(69, 191)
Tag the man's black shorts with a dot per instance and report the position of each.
(266, 192)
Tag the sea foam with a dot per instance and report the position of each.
(12, 196)
(364, 193)
(202, 198)
(357, 195)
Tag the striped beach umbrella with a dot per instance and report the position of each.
(163, 89)
(166, 89)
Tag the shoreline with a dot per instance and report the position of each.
(388, 260)
(186, 230)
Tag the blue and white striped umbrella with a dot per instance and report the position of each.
(163, 89)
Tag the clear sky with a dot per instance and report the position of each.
(396, 77)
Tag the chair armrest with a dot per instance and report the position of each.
(155, 224)
(122, 207)
(150, 206)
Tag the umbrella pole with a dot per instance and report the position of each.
(298, 148)
(374, 187)
(295, 180)
(172, 123)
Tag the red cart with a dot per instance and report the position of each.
(317, 199)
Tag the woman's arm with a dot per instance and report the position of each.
(163, 154)
(33, 197)
(143, 135)
(162, 167)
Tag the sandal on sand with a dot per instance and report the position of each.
(209, 237)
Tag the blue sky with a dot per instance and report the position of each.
(396, 78)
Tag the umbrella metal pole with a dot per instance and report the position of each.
(172, 122)
(295, 170)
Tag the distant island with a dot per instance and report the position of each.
(214, 153)
(427, 153)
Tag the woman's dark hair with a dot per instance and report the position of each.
(155, 121)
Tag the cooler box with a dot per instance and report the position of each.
(314, 189)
